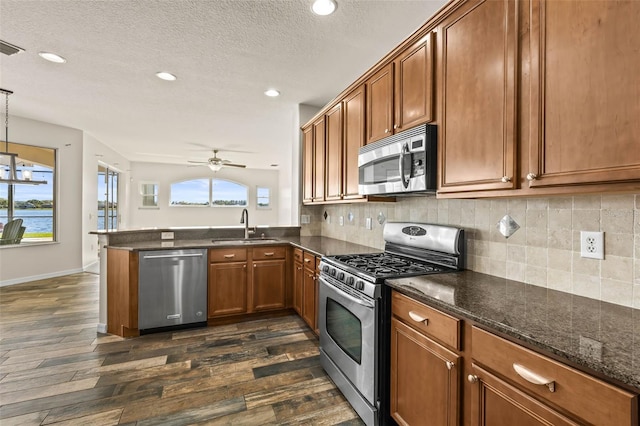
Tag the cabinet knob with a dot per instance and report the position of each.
(386, 130)
(472, 378)
(450, 365)
(255, 266)
(505, 179)
(395, 126)
(532, 176)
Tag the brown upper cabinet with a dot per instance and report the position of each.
(334, 153)
(477, 51)
(354, 118)
(400, 94)
(313, 148)
(585, 92)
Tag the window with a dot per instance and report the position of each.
(149, 193)
(107, 198)
(263, 197)
(209, 192)
(190, 193)
(227, 193)
(34, 204)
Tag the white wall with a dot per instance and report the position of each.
(25, 262)
(167, 216)
(95, 153)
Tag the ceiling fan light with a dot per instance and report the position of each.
(215, 167)
(167, 76)
(52, 57)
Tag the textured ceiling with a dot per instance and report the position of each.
(226, 53)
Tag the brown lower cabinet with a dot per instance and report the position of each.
(305, 286)
(243, 281)
(438, 378)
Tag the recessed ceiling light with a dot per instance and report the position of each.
(272, 93)
(52, 57)
(166, 76)
(323, 7)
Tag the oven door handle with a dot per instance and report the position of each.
(356, 300)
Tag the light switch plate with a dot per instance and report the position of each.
(166, 236)
(305, 219)
(368, 223)
(341, 220)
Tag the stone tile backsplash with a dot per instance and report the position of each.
(545, 251)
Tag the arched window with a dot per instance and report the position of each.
(209, 192)
(228, 193)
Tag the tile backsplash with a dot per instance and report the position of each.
(544, 251)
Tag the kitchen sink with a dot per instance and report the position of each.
(245, 241)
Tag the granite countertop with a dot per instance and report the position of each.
(551, 321)
(320, 246)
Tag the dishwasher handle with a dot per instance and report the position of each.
(164, 256)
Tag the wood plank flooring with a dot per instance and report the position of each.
(56, 369)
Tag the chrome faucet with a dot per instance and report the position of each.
(244, 218)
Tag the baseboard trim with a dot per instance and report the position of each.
(22, 280)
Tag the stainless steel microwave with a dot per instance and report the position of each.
(403, 163)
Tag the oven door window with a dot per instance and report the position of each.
(345, 329)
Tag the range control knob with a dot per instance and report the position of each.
(341, 276)
(360, 285)
(325, 268)
(332, 272)
(350, 281)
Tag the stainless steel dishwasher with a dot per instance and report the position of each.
(172, 289)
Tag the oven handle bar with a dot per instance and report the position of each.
(360, 301)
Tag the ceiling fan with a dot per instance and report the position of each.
(215, 163)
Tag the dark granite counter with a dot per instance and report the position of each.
(559, 324)
(320, 246)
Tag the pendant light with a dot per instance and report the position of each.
(9, 159)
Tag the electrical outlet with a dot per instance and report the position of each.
(166, 236)
(368, 223)
(591, 348)
(341, 220)
(592, 244)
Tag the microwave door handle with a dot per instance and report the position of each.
(404, 150)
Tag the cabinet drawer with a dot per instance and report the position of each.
(429, 321)
(586, 397)
(275, 252)
(227, 255)
(297, 255)
(309, 261)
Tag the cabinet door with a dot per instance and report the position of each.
(354, 108)
(496, 403)
(333, 154)
(309, 298)
(297, 287)
(268, 283)
(414, 85)
(318, 159)
(380, 104)
(424, 379)
(227, 289)
(585, 92)
(477, 47)
(307, 164)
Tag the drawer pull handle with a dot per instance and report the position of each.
(268, 253)
(229, 256)
(418, 318)
(450, 365)
(534, 378)
(307, 260)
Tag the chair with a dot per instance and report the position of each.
(12, 232)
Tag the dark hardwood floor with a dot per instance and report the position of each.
(56, 369)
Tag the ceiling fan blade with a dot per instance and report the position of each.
(198, 162)
(234, 165)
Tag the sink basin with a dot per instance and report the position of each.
(245, 241)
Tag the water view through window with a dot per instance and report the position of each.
(208, 192)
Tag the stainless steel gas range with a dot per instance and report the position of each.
(355, 308)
